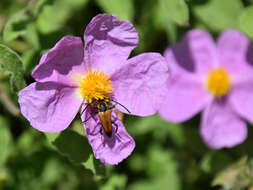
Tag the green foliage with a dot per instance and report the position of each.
(68, 142)
(38, 6)
(115, 182)
(11, 64)
(16, 26)
(246, 24)
(219, 15)
(52, 136)
(159, 128)
(177, 9)
(77, 149)
(236, 176)
(161, 169)
(167, 155)
(53, 16)
(122, 8)
(5, 141)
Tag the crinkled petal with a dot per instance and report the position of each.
(139, 84)
(108, 42)
(195, 53)
(109, 150)
(61, 61)
(221, 126)
(50, 107)
(185, 97)
(235, 52)
(241, 97)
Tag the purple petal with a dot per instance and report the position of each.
(50, 107)
(241, 97)
(186, 97)
(195, 53)
(108, 42)
(61, 61)
(221, 126)
(235, 52)
(109, 150)
(139, 84)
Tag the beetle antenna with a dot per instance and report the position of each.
(121, 106)
(81, 113)
(87, 119)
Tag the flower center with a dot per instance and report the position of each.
(218, 82)
(94, 86)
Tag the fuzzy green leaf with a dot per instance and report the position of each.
(11, 64)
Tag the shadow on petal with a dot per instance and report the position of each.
(249, 55)
(183, 55)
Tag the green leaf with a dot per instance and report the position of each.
(39, 6)
(161, 22)
(159, 128)
(95, 166)
(52, 136)
(77, 149)
(161, 162)
(5, 140)
(219, 15)
(3, 178)
(78, 127)
(53, 17)
(162, 170)
(73, 4)
(74, 146)
(246, 21)
(16, 26)
(50, 20)
(122, 8)
(136, 162)
(162, 182)
(32, 36)
(89, 164)
(53, 171)
(30, 58)
(11, 64)
(30, 141)
(214, 161)
(235, 176)
(115, 182)
(174, 10)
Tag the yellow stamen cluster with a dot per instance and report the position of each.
(95, 85)
(218, 82)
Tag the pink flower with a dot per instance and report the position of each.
(215, 78)
(70, 77)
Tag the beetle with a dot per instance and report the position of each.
(104, 111)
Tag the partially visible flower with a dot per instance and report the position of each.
(69, 77)
(215, 78)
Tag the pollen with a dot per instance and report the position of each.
(95, 85)
(218, 82)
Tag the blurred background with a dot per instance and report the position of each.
(167, 156)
